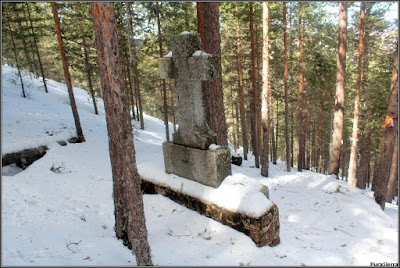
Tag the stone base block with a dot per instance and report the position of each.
(209, 167)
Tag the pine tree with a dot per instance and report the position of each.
(265, 89)
(383, 167)
(254, 103)
(285, 78)
(67, 74)
(164, 89)
(213, 88)
(301, 124)
(353, 155)
(337, 137)
(240, 86)
(128, 200)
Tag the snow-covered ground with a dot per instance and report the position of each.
(59, 211)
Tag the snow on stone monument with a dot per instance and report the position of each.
(189, 155)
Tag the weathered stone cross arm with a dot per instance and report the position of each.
(201, 66)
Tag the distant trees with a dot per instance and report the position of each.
(302, 56)
(130, 224)
(11, 32)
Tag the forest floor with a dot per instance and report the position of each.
(59, 210)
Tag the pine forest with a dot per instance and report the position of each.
(303, 87)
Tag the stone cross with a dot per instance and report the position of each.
(189, 66)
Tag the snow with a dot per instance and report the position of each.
(169, 55)
(200, 53)
(59, 211)
(214, 146)
(184, 33)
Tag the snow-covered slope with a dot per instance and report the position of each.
(66, 217)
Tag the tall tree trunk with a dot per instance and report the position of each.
(67, 75)
(308, 119)
(172, 104)
(259, 91)
(320, 133)
(254, 92)
(393, 179)
(130, 88)
(382, 169)
(337, 136)
(37, 48)
(15, 51)
(286, 88)
(164, 89)
(276, 132)
(241, 94)
(87, 66)
(136, 73)
(233, 122)
(312, 146)
(213, 88)
(237, 123)
(301, 131)
(131, 62)
(264, 95)
(128, 197)
(200, 24)
(353, 155)
(363, 168)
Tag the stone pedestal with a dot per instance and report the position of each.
(209, 167)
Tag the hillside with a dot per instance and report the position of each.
(59, 211)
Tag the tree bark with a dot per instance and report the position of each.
(213, 88)
(200, 24)
(233, 122)
(353, 154)
(128, 200)
(337, 137)
(132, 60)
(320, 133)
(164, 89)
(171, 96)
(237, 125)
(286, 88)
(67, 74)
(87, 66)
(363, 168)
(393, 180)
(136, 73)
(382, 169)
(277, 132)
(254, 92)
(241, 94)
(301, 133)
(265, 89)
